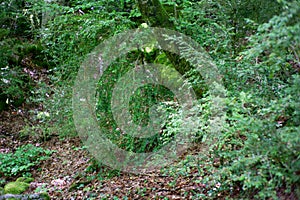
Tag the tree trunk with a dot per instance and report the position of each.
(156, 16)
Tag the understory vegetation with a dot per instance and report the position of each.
(252, 153)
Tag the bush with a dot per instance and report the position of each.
(256, 153)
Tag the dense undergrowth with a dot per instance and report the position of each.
(255, 45)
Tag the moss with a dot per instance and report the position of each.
(25, 179)
(1, 190)
(15, 187)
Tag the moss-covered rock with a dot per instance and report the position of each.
(15, 188)
(25, 179)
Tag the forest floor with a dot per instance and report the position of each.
(65, 176)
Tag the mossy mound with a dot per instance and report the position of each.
(1, 190)
(24, 179)
(15, 187)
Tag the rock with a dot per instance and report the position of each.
(41, 196)
(15, 187)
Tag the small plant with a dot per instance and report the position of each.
(41, 189)
(22, 160)
(103, 172)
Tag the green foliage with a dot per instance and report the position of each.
(71, 36)
(104, 173)
(19, 63)
(262, 107)
(14, 81)
(14, 84)
(140, 103)
(274, 51)
(255, 45)
(77, 28)
(258, 148)
(18, 18)
(22, 160)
